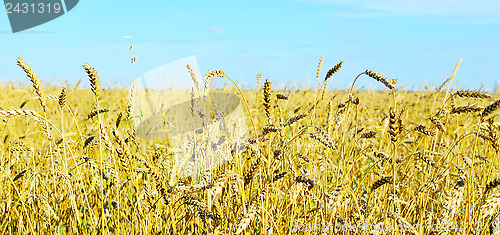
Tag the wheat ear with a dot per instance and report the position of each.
(319, 67)
(333, 70)
(194, 76)
(379, 183)
(247, 219)
(34, 80)
(62, 97)
(490, 108)
(24, 112)
(472, 94)
(131, 99)
(491, 185)
(267, 97)
(94, 79)
(466, 109)
(389, 83)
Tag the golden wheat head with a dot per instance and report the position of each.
(94, 79)
(333, 70)
(34, 80)
(389, 83)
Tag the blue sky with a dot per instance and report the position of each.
(413, 41)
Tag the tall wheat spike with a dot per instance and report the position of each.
(466, 109)
(131, 99)
(333, 70)
(94, 79)
(490, 108)
(29, 113)
(210, 75)
(319, 67)
(62, 97)
(389, 83)
(472, 94)
(267, 97)
(194, 77)
(37, 85)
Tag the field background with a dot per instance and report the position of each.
(321, 160)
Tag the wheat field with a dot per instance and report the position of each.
(317, 161)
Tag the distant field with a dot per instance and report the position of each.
(316, 161)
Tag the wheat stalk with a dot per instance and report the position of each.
(279, 176)
(29, 113)
(94, 80)
(379, 183)
(319, 67)
(323, 138)
(491, 205)
(424, 130)
(37, 85)
(88, 141)
(267, 98)
(333, 70)
(247, 219)
(395, 125)
(306, 181)
(281, 96)
(131, 99)
(210, 75)
(194, 77)
(368, 135)
(334, 199)
(490, 108)
(251, 172)
(466, 109)
(270, 129)
(439, 125)
(62, 97)
(95, 112)
(472, 94)
(296, 118)
(491, 185)
(105, 138)
(20, 112)
(118, 120)
(453, 201)
(427, 160)
(389, 83)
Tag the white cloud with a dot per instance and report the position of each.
(419, 7)
(475, 22)
(217, 29)
(361, 15)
